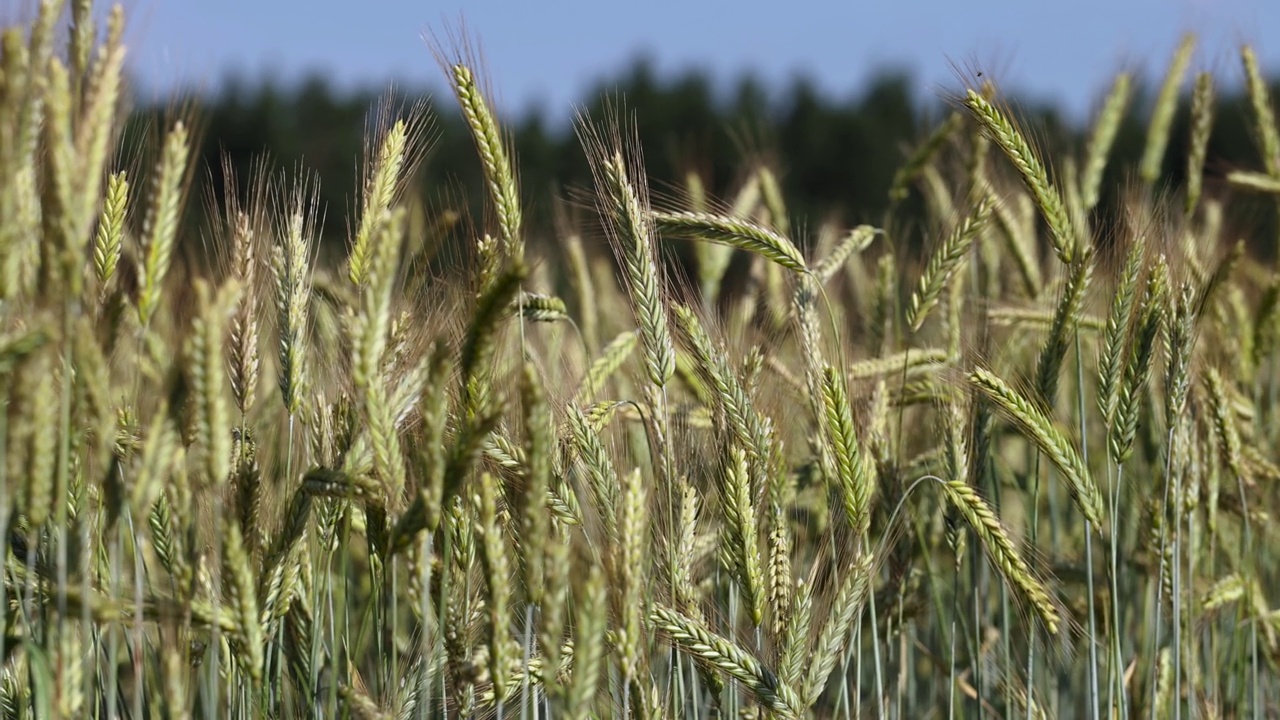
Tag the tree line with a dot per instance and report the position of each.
(835, 157)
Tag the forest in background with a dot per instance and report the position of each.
(835, 157)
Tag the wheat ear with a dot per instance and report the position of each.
(1034, 424)
(1162, 115)
(1002, 131)
(1000, 548)
(721, 653)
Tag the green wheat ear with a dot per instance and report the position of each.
(1035, 177)
(1001, 549)
(946, 262)
(1162, 115)
(500, 178)
(1037, 427)
(161, 227)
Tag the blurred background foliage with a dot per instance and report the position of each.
(835, 157)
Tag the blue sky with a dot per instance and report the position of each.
(548, 51)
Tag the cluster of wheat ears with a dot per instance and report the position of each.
(838, 480)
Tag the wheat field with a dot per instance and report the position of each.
(1030, 474)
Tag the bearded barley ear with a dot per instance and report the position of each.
(539, 308)
(1039, 320)
(1254, 181)
(922, 156)
(97, 121)
(290, 266)
(858, 239)
(37, 54)
(1066, 319)
(730, 397)
(247, 481)
(93, 402)
(603, 479)
(379, 193)
(551, 626)
(795, 639)
(1263, 112)
(714, 259)
(533, 522)
(1001, 550)
(722, 654)
(1162, 116)
(68, 664)
(589, 646)
(806, 311)
(243, 346)
(1036, 426)
(369, 342)
(1102, 139)
(467, 447)
(167, 542)
(945, 262)
(1020, 244)
(1002, 131)
(60, 250)
(204, 352)
(1148, 324)
(628, 576)
(82, 36)
(1232, 588)
(493, 559)
(242, 600)
(1224, 422)
(1266, 322)
(584, 287)
(957, 459)
(500, 177)
(275, 594)
(159, 450)
(780, 574)
(1119, 322)
(605, 365)
(732, 232)
(464, 454)
(687, 548)
(623, 200)
(1164, 685)
(853, 469)
(742, 545)
(33, 439)
(478, 346)
(884, 308)
(161, 226)
(506, 453)
(855, 588)
(435, 417)
(771, 194)
(1202, 106)
(373, 322)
